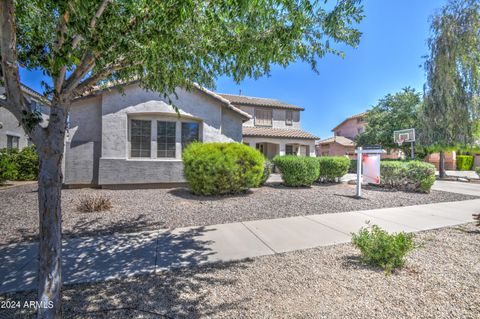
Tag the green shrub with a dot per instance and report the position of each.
(379, 248)
(413, 176)
(222, 168)
(267, 170)
(297, 170)
(477, 170)
(24, 164)
(7, 168)
(464, 162)
(333, 167)
(353, 167)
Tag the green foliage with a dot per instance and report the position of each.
(464, 162)
(477, 170)
(333, 167)
(451, 108)
(170, 44)
(7, 168)
(297, 170)
(381, 249)
(393, 112)
(23, 165)
(413, 176)
(222, 168)
(267, 170)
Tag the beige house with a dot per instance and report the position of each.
(351, 126)
(274, 128)
(336, 146)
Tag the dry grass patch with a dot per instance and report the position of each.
(94, 203)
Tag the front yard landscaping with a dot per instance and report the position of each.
(440, 281)
(147, 209)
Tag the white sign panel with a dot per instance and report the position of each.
(371, 168)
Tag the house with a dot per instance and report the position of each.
(129, 135)
(12, 135)
(342, 141)
(336, 146)
(351, 126)
(274, 127)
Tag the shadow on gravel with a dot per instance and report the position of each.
(181, 293)
(93, 227)
(353, 262)
(185, 193)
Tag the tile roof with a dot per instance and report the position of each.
(338, 139)
(277, 132)
(258, 101)
(350, 118)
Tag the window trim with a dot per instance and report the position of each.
(11, 137)
(289, 121)
(263, 110)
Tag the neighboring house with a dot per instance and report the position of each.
(336, 146)
(12, 134)
(351, 126)
(274, 127)
(134, 136)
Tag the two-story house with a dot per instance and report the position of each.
(12, 135)
(274, 127)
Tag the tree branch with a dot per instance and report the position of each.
(8, 42)
(103, 5)
(85, 66)
(61, 31)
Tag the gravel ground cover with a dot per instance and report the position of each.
(147, 209)
(440, 281)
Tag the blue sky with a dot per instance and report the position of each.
(388, 58)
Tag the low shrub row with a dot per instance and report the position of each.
(223, 168)
(464, 162)
(413, 176)
(298, 170)
(304, 171)
(19, 165)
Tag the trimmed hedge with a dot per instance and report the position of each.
(333, 167)
(222, 168)
(464, 162)
(19, 165)
(297, 170)
(267, 170)
(413, 176)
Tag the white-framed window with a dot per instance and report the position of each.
(140, 138)
(263, 117)
(288, 117)
(160, 138)
(166, 138)
(289, 150)
(12, 142)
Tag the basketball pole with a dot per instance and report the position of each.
(412, 151)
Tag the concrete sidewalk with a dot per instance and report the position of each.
(457, 187)
(93, 259)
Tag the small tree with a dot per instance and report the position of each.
(163, 44)
(452, 91)
(393, 112)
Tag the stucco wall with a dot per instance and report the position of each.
(107, 126)
(278, 117)
(350, 128)
(334, 149)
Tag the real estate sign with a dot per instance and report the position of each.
(371, 168)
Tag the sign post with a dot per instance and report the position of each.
(368, 166)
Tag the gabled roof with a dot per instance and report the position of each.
(277, 132)
(258, 101)
(223, 101)
(31, 92)
(337, 139)
(350, 118)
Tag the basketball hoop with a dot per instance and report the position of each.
(400, 140)
(405, 136)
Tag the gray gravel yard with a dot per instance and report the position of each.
(440, 281)
(146, 209)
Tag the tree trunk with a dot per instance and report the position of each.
(441, 165)
(50, 179)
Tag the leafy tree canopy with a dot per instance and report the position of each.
(173, 43)
(393, 112)
(452, 92)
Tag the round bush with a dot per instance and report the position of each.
(222, 168)
(410, 176)
(333, 167)
(297, 170)
(267, 170)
